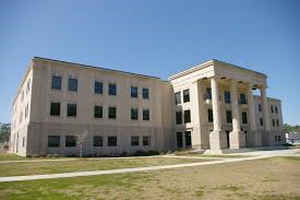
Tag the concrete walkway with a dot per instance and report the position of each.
(126, 170)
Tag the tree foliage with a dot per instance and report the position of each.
(288, 128)
(4, 132)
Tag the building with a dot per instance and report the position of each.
(70, 108)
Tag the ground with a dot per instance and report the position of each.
(274, 178)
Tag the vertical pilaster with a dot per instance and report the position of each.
(196, 133)
(256, 137)
(237, 137)
(267, 122)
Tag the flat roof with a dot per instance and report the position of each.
(96, 67)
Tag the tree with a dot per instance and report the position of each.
(288, 128)
(4, 132)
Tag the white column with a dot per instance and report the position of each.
(195, 98)
(237, 137)
(216, 105)
(255, 136)
(217, 138)
(265, 109)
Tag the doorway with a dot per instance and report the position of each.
(179, 140)
(228, 138)
(188, 139)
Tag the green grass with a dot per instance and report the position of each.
(209, 155)
(243, 180)
(10, 156)
(31, 168)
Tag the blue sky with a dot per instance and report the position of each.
(156, 38)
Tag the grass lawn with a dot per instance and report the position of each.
(30, 168)
(209, 156)
(10, 156)
(266, 179)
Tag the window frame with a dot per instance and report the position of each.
(71, 87)
(114, 114)
(98, 114)
(179, 120)
(112, 89)
(73, 141)
(146, 140)
(112, 141)
(97, 141)
(56, 144)
(187, 117)
(98, 87)
(147, 117)
(229, 116)
(135, 140)
(145, 92)
(134, 92)
(54, 85)
(244, 118)
(134, 114)
(71, 113)
(177, 98)
(54, 113)
(186, 95)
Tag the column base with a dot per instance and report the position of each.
(217, 140)
(237, 139)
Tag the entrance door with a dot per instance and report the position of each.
(179, 139)
(188, 139)
(228, 138)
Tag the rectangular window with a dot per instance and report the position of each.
(56, 82)
(98, 111)
(229, 116)
(145, 93)
(227, 97)
(71, 110)
(134, 92)
(53, 141)
(243, 99)
(146, 140)
(188, 138)
(178, 117)
(71, 141)
(178, 98)
(134, 114)
(146, 114)
(273, 122)
(98, 87)
(259, 108)
(208, 93)
(112, 112)
(97, 141)
(179, 139)
(210, 115)
(26, 111)
(276, 110)
(55, 109)
(112, 89)
(272, 109)
(112, 141)
(187, 116)
(186, 95)
(73, 84)
(277, 122)
(244, 118)
(261, 121)
(134, 140)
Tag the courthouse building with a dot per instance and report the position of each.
(71, 108)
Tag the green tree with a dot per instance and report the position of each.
(4, 132)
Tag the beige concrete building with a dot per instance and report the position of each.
(70, 108)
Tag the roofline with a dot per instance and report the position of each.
(96, 67)
(206, 64)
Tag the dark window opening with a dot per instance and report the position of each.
(178, 117)
(71, 141)
(55, 109)
(243, 99)
(187, 116)
(244, 118)
(229, 116)
(145, 93)
(112, 141)
(98, 111)
(134, 114)
(112, 112)
(71, 110)
(56, 82)
(73, 84)
(188, 138)
(146, 140)
(112, 89)
(210, 115)
(134, 140)
(146, 114)
(98, 89)
(53, 141)
(134, 92)
(227, 97)
(178, 98)
(97, 141)
(186, 95)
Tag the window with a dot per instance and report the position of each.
(186, 95)
(146, 140)
(55, 109)
(276, 109)
(243, 98)
(73, 84)
(227, 97)
(272, 109)
(178, 117)
(188, 138)
(134, 92)
(261, 121)
(112, 89)
(178, 98)
(229, 116)
(187, 116)
(146, 114)
(112, 141)
(26, 111)
(98, 87)
(112, 112)
(56, 82)
(244, 118)
(208, 93)
(273, 122)
(134, 140)
(277, 122)
(97, 141)
(210, 115)
(179, 139)
(71, 141)
(72, 110)
(134, 114)
(98, 111)
(145, 93)
(259, 108)
(53, 141)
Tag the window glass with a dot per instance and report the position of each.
(55, 109)
(98, 112)
(187, 116)
(178, 98)
(71, 110)
(259, 108)
(53, 141)
(188, 138)
(145, 93)
(227, 97)
(261, 121)
(134, 113)
(210, 115)
(97, 141)
(134, 140)
(112, 112)
(73, 84)
(186, 95)
(98, 88)
(229, 116)
(146, 140)
(244, 118)
(71, 141)
(243, 98)
(178, 117)
(112, 141)
(208, 93)
(146, 114)
(56, 82)
(134, 92)
(112, 89)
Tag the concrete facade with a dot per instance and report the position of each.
(202, 108)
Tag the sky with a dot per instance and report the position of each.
(156, 38)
